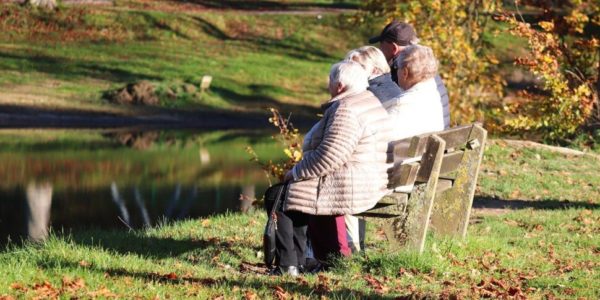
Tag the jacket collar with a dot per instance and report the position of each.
(425, 84)
(381, 79)
(339, 97)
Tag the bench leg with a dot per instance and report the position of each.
(452, 207)
(410, 229)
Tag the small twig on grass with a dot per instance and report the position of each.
(124, 223)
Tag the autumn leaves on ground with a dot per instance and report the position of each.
(534, 233)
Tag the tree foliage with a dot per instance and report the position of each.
(454, 30)
(564, 55)
(291, 142)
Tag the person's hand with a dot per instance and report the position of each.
(289, 176)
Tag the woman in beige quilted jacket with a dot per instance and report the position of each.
(345, 161)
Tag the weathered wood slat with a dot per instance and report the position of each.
(456, 137)
(406, 174)
(398, 200)
(427, 162)
(443, 185)
(452, 207)
(418, 145)
(370, 214)
(451, 161)
(410, 228)
(400, 149)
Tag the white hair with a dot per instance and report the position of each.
(419, 61)
(351, 75)
(370, 58)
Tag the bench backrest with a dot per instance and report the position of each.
(410, 164)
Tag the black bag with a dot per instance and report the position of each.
(273, 199)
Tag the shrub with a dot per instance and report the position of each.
(564, 56)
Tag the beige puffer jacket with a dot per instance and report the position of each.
(344, 164)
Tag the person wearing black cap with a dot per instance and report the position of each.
(394, 38)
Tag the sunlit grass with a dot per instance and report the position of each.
(255, 60)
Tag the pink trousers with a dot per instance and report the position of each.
(328, 236)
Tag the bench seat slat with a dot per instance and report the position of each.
(405, 174)
(451, 161)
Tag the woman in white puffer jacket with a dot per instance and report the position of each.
(418, 110)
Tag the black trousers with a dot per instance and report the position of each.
(291, 238)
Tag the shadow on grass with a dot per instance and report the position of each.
(273, 5)
(259, 98)
(287, 46)
(153, 247)
(159, 118)
(485, 202)
(68, 68)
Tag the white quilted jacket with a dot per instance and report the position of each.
(345, 161)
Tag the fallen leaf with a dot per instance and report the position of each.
(280, 293)
(84, 264)
(72, 285)
(301, 281)
(18, 286)
(377, 286)
(322, 285)
(499, 283)
(250, 295)
(102, 292)
(569, 291)
(6, 297)
(45, 290)
(515, 194)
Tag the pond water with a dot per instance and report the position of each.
(64, 180)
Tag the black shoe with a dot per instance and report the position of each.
(291, 271)
(312, 266)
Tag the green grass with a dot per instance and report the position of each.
(69, 59)
(537, 249)
(528, 174)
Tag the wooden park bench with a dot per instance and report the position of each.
(434, 177)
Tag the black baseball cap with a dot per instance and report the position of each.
(397, 32)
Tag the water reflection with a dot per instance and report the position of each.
(39, 200)
(71, 179)
(137, 140)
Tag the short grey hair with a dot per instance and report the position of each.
(350, 74)
(370, 58)
(419, 61)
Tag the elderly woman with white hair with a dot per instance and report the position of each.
(380, 78)
(419, 108)
(385, 89)
(343, 169)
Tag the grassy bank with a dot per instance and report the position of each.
(541, 242)
(69, 58)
